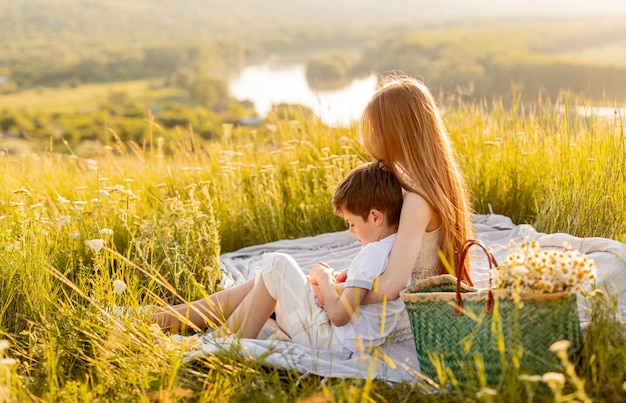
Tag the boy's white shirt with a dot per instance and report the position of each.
(370, 325)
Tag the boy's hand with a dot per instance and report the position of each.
(320, 272)
(341, 276)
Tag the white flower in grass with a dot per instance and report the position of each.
(4, 345)
(75, 235)
(561, 345)
(13, 246)
(529, 378)
(486, 393)
(22, 191)
(119, 286)
(7, 361)
(553, 378)
(106, 231)
(95, 244)
(62, 220)
(92, 163)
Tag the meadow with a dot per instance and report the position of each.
(145, 223)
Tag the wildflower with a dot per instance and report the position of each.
(519, 271)
(106, 231)
(91, 162)
(62, 220)
(486, 393)
(561, 345)
(553, 378)
(75, 235)
(116, 188)
(22, 191)
(119, 286)
(7, 361)
(79, 205)
(95, 244)
(529, 378)
(103, 192)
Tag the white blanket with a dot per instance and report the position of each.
(397, 361)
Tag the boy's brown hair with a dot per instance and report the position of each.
(370, 186)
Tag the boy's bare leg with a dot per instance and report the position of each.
(250, 316)
(202, 313)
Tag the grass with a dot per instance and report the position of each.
(165, 211)
(70, 99)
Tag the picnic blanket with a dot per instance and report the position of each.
(393, 362)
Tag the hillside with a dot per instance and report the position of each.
(50, 21)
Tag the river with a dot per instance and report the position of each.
(268, 84)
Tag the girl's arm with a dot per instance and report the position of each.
(415, 218)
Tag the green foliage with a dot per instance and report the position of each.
(330, 70)
(209, 92)
(487, 61)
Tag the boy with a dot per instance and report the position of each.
(369, 199)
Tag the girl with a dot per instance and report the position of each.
(402, 127)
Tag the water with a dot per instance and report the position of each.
(269, 84)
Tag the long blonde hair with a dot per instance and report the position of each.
(401, 126)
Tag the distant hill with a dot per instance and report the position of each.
(45, 21)
(73, 42)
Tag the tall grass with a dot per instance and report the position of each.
(163, 212)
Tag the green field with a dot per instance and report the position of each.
(85, 97)
(166, 210)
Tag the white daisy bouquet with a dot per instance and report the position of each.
(530, 269)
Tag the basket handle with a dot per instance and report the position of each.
(463, 275)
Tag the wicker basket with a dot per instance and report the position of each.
(464, 333)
